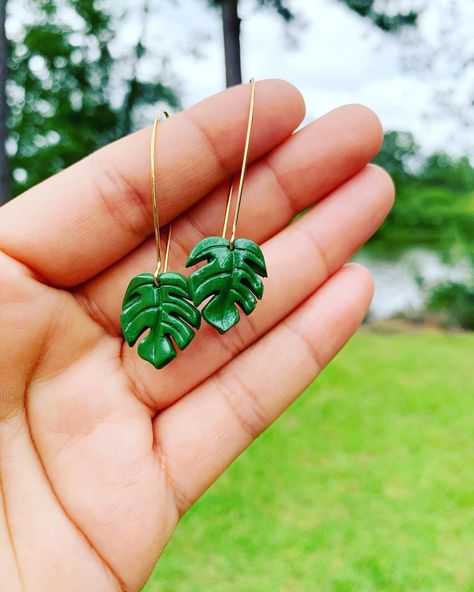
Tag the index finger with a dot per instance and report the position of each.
(74, 225)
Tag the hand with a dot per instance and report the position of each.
(100, 454)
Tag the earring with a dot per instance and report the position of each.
(160, 302)
(232, 273)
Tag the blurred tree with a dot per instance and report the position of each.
(231, 29)
(456, 301)
(389, 21)
(67, 94)
(440, 48)
(435, 199)
(398, 155)
(453, 174)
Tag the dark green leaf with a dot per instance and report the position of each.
(165, 310)
(230, 277)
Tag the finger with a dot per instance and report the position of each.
(299, 259)
(295, 175)
(205, 431)
(84, 219)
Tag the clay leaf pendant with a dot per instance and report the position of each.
(165, 310)
(230, 277)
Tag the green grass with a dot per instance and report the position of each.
(365, 484)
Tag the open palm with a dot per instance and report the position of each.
(100, 453)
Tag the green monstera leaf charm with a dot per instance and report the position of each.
(165, 310)
(230, 278)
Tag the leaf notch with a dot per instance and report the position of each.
(166, 310)
(230, 277)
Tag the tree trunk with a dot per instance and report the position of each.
(4, 169)
(231, 28)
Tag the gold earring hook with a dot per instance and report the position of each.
(242, 172)
(227, 209)
(162, 115)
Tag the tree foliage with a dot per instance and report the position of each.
(435, 197)
(281, 7)
(398, 154)
(67, 94)
(456, 301)
(387, 20)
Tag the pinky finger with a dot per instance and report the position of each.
(205, 431)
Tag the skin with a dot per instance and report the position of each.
(100, 454)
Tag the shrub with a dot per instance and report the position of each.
(456, 300)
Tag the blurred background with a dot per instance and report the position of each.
(366, 484)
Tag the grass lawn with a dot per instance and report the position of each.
(365, 484)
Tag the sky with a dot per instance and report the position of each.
(338, 58)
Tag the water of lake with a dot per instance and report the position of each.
(397, 281)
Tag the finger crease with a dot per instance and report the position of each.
(179, 244)
(316, 247)
(193, 223)
(307, 345)
(110, 183)
(180, 500)
(209, 140)
(229, 344)
(243, 404)
(281, 187)
(121, 586)
(135, 383)
(10, 536)
(96, 313)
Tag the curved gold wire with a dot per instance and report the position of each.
(242, 172)
(156, 221)
(167, 252)
(227, 209)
